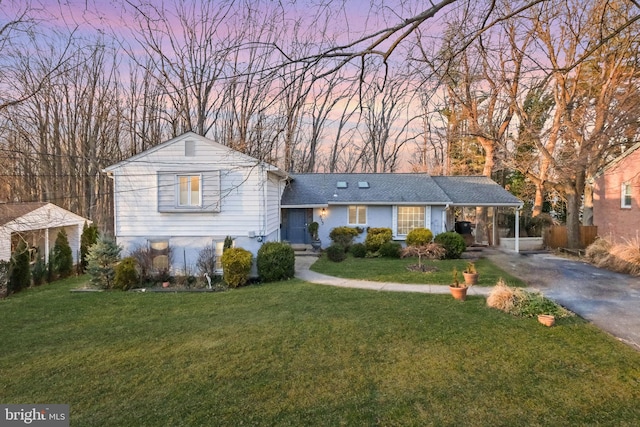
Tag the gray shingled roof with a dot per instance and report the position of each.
(475, 191)
(388, 188)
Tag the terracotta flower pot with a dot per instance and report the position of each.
(459, 293)
(547, 319)
(470, 279)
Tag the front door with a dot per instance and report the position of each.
(296, 225)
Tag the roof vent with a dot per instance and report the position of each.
(363, 184)
(342, 184)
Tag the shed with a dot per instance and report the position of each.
(38, 224)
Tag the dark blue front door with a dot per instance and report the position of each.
(297, 220)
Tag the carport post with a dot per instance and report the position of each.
(517, 242)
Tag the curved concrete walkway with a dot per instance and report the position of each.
(302, 272)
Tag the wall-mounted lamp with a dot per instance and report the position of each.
(323, 214)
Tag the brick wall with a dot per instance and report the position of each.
(614, 222)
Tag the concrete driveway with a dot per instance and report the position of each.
(609, 300)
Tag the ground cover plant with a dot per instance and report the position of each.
(293, 353)
(400, 271)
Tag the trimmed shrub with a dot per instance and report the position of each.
(376, 237)
(62, 255)
(336, 253)
(343, 236)
(19, 270)
(390, 250)
(452, 242)
(126, 275)
(276, 261)
(236, 265)
(419, 237)
(358, 250)
(101, 262)
(89, 238)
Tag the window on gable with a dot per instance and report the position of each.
(189, 190)
(357, 215)
(626, 197)
(410, 217)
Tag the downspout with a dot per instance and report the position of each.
(444, 220)
(280, 193)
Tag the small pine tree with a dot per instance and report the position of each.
(228, 243)
(62, 255)
(20, 270)
(51, 273)
(101, 261)
(89, 238)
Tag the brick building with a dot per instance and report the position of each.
(616, 198)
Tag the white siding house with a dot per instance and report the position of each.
(190, 192)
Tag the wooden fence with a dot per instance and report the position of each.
(556, 236)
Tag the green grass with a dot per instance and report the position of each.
(395, 270)
(292, 353)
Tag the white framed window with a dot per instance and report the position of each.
(408, 218)
(625, 195)
(189, 191)
(357, 215)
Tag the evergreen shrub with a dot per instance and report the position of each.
(19, 270)
(236, 265)
(62, 255)
(452, 242)
(101, 262)
(390, 250)
(276, 261)
(376, 237)
(343, 236)
(419, 237)
(358, 250)
(126, 274)
(336, 253)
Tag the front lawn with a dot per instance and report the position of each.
(292, 353)
(395, 270)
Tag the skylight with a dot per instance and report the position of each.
(363, 184)
(342, 184)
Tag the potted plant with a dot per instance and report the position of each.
(315, 240)
(458, 290)
(470, 274)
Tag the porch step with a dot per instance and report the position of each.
(300, 249)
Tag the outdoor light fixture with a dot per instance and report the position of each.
(323, 214)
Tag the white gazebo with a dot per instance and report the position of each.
(38, 225)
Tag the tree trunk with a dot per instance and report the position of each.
(587, 213)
